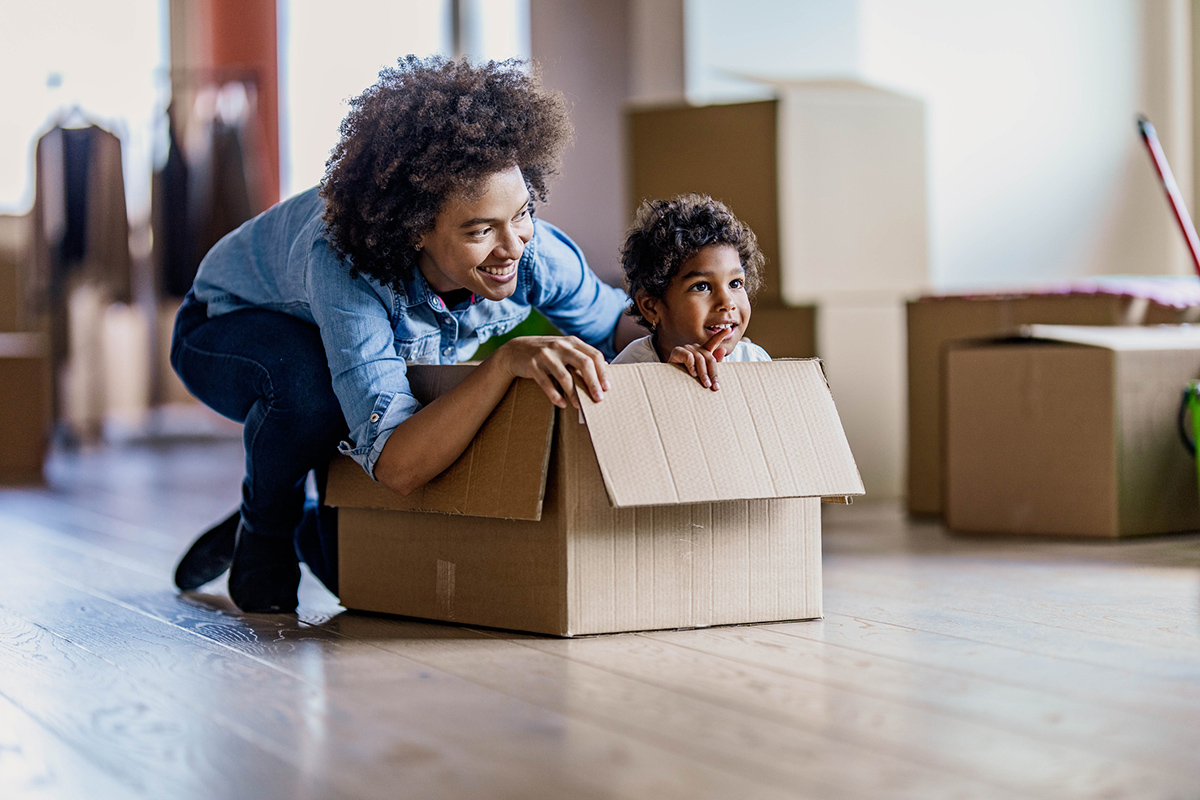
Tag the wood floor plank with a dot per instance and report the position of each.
(810, 651)
(948, 666)
(892, 630)
(373, 705)
(965, 747)
(789, 755)
(1164, 670)
(145, 738)
(1153, 606)
(36, 764)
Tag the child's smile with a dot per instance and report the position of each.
(705, 298)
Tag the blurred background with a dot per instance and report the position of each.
(882, 149)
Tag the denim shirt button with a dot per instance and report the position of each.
(449, 351)
(374, 418)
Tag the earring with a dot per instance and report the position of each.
(417, 247)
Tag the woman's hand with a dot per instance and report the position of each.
(700, 360)
(554, 362)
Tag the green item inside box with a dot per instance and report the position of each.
(533, 325)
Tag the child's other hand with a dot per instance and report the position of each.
(700, 360)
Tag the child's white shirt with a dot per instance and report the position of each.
(641, 351)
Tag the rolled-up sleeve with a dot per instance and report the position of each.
(369, 378)
(570, 295)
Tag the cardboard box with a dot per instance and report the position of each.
(725, 151)
(13, 233)
(852, 190)
(626, 516)
(1071, 431)
(934, 322)
(24, 407)
(785, 332)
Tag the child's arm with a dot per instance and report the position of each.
(700, 360)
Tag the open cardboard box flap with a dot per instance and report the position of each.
(1140, 337)
(501, 475)
(771, 431)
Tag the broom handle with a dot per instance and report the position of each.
(1168, 181)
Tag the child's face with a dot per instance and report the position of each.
(708, 294)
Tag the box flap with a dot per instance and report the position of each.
(501, 475)
(1153, 337)
(771, 431)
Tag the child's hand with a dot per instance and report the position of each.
(700, 360)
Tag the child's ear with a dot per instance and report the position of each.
(649, 306)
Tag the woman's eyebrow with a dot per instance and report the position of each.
(490, 220)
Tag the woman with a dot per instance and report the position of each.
(419, 245)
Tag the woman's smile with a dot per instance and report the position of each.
(477, 241)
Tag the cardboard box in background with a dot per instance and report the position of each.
(13, 231)
(167, 388)
(1071, 431)
(934, 322)
(24, 407)
(784, 332)
(852, 191)
(727, 152)
(633, 521)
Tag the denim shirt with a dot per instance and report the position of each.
(281, 260)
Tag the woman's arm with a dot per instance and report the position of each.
(425, 444)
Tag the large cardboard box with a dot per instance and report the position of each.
(852, 190)
(24, 407)
(935, 322)
(13, 235)
(784, 332)
(725, 151)
(1071, 431)
(663, 506)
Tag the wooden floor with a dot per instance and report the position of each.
(946, 667)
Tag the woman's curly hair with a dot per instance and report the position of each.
(431, 129)
(666, 233)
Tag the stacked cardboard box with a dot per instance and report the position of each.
(935, 322)
(663, 506)
(831, 176)
(24, 407)
(728, 152)
(1071, 431)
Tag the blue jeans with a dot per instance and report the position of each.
(267, 370)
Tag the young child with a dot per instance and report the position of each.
(691, 268)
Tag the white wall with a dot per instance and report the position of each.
(315, 92)
(582, 47)
(1036, 171)
(109, 58)
(656, 52)
(779, 38)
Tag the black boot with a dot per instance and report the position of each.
(209, 555)
(265, 573)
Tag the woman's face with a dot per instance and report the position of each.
(476, 243)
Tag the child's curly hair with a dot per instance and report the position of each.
(666, 233)
(431, 129)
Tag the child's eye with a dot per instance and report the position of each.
(702, 286)
(736, 283)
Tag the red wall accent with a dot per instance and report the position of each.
(244, 39)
